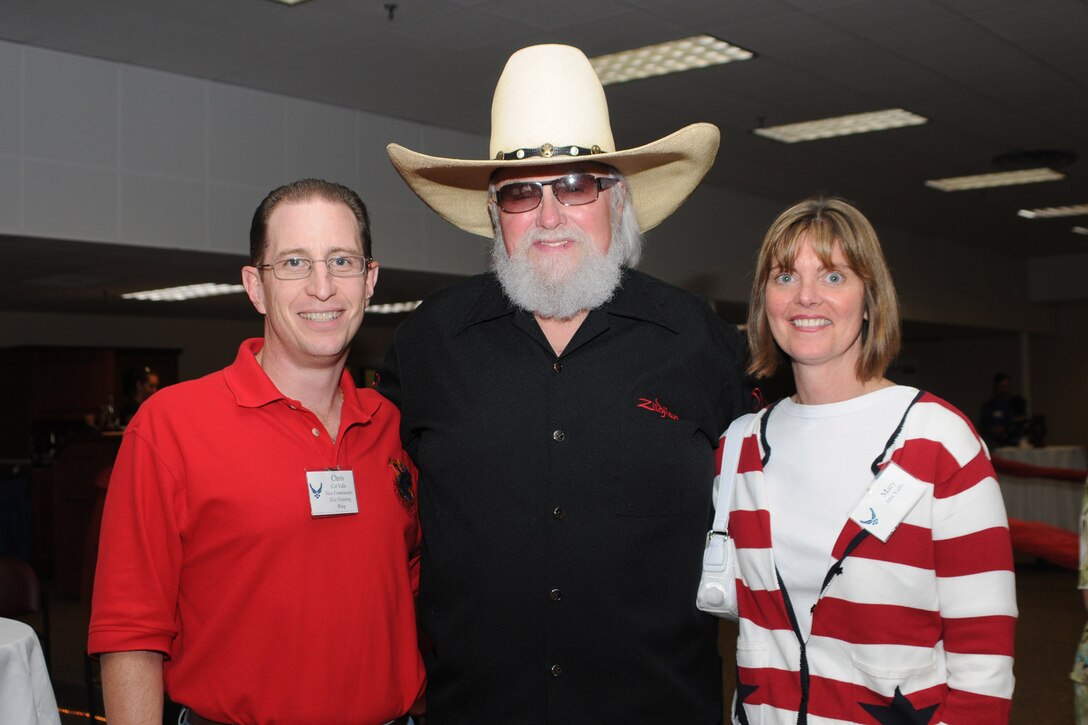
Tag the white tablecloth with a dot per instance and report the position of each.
(1048, 456)
(26, 695)
(1043, 499)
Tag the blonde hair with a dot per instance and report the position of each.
(826, 221)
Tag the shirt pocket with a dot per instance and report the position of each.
(911, 671)
(664, 467)
(753, 656)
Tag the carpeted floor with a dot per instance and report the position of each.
(1052, 617)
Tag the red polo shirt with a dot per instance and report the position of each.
(210, 554)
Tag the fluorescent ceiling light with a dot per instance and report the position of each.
(698, 51)
(187, 292)
(392, 308)
(1052, 212)
(289, 2)
(842, 125)
(1002, 178)
(1081, 230)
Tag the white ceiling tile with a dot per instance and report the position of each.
(866, 17)
(1037, 20)
(556, 14)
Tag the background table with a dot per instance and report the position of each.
(26, 694)
(1046, 500)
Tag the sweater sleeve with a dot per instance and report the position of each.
(974, 567)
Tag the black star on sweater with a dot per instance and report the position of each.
(900, 711)
(743, 691)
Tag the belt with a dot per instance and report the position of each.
(195, 719)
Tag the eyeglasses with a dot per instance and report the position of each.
(341, 265)
(571, 190)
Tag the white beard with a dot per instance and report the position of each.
(559, 288)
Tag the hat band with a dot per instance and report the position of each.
(547, 151)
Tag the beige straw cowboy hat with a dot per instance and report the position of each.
(549, 108)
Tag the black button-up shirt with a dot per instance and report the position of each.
(564, 503)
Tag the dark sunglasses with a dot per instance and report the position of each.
(571, 190)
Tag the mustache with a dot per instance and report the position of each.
(560, 234)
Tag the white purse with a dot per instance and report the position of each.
(717, 588)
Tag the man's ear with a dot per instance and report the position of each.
(621, 189)
(251, 280)
(371, 279)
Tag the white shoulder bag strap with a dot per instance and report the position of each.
(716, 592)
(734, 438)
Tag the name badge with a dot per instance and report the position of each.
(888, 501)
(331, 493)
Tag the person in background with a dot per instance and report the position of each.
(875, 575)
(260, 541)
(1079, 675)
(563, 410)
(1004, 417)
(139, 384)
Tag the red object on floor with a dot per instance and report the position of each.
(1049, 543)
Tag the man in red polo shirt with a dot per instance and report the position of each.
(260, 541)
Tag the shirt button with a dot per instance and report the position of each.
(557, 366)
(291, 407)
(558, 512)
(556, 670)
(555, 595)
(316, 432)
(559, 436)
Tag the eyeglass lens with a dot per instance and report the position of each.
(338, 266)
(571, 190)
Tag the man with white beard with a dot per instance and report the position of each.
(554, 268)
(563, 411)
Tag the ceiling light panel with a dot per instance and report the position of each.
(186, 292)
(675, 56)
(987, 181)
(392, 308)
(1053, 212)
(842, 126)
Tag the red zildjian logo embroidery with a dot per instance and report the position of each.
(655, 407)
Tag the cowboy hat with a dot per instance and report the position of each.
(549, 109)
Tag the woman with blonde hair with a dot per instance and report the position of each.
(874, 567)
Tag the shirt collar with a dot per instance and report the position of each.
(490, 304)
(246, 378)
(635, 298)
(639, 298)
(252, 388)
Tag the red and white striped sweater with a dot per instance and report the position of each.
(916, 630)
